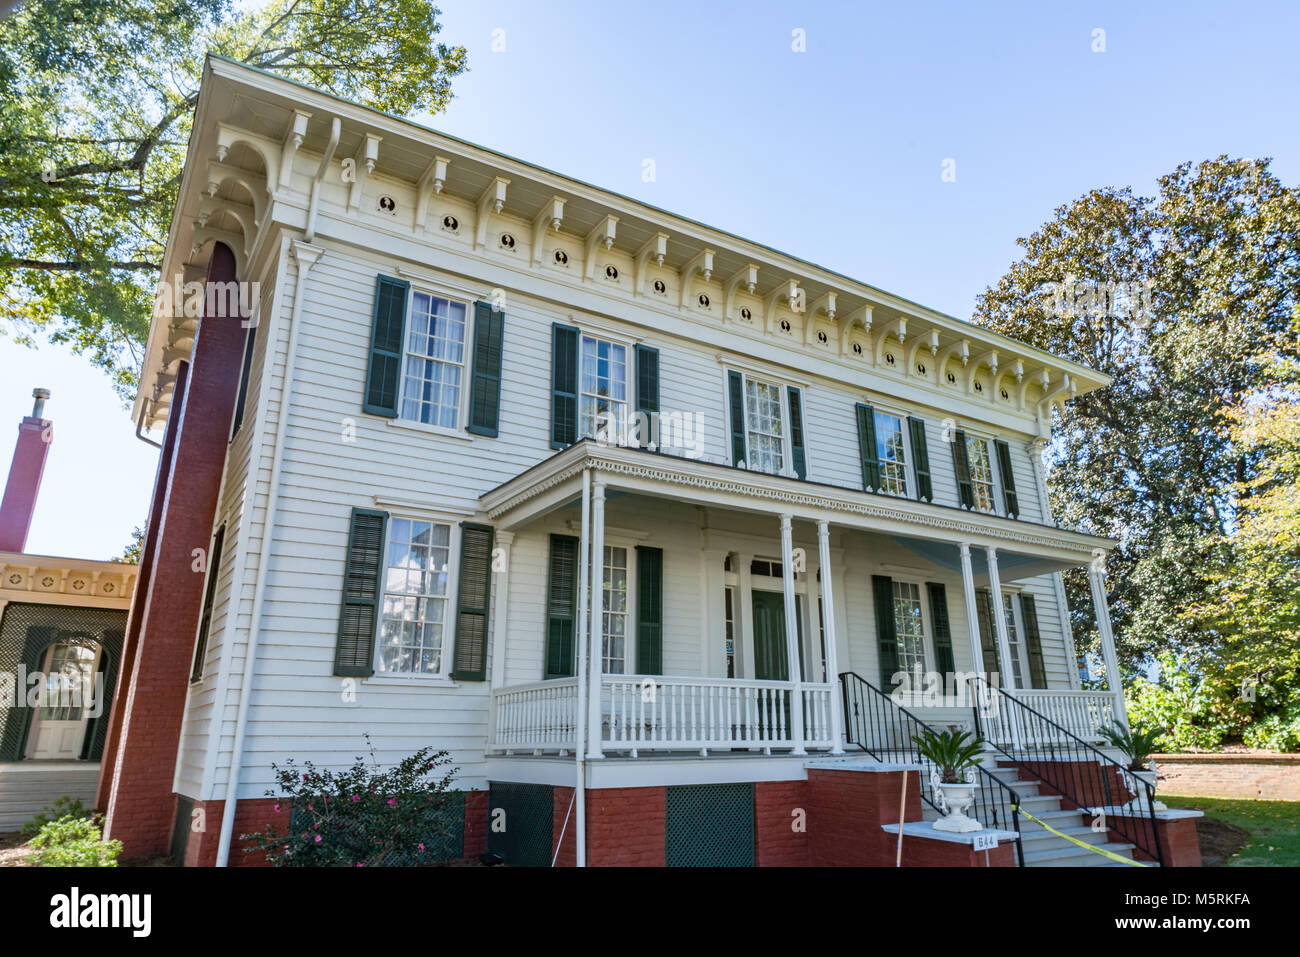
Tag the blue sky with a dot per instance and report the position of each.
(834, 154)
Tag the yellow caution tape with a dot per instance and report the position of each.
(1084, 844)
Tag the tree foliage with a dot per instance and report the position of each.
(96, 103)
(1148, 460)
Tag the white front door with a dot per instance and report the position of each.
(59, 725)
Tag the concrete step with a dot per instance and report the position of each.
(1068, 855)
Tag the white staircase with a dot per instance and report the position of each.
(1043, 848)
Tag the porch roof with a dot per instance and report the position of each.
(929, 529)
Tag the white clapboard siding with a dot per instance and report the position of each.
(336, 457)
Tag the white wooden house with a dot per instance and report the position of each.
(471, 386)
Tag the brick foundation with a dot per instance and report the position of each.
(564, 829)
(625, 827)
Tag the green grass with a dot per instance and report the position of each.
(1274, 828)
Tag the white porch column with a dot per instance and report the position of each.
(1036, 450)
(792, 636)
(1101, 606)
(500, 619)
(972, 611)
(597, 620)
(828, 627)
(580, 716)
(1000, 622)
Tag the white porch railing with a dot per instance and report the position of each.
(540, 716)
(658, 713)
(1082, 713)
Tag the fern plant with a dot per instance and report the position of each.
(951, 752)
(1137, 743)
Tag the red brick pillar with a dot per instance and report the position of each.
(847, 810)
(148, 555)
(141, 804)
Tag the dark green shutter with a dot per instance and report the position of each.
(362, 584)
(961, 466)
(647, 391)
(1029, 614)
(209, 597)
(649, 610)
(561, 606)
(473, 596)
(988, 632)
(736, 396)
(944, 663)
(245, 372)
(920, 459)
(867, 448)
(564, 386)
(886, 630)
(384, 381)
(796, 433)
(1008, 480)
(485, 380)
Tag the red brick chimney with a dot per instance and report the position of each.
(34, 437)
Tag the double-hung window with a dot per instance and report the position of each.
(603, 388)
(615, 609)
(981, 474)
(414, 618)
(764, 426)
(1013, 639)
(909, 626)
(890, 450)
(433, 368)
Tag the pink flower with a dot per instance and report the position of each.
(355, 798)
(277, 807)
(392, 802)
(304, 777)
(361, 863)
(318, 839)
(309, 807)
(421, 847)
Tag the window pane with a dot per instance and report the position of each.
(981, 473)
(614, 590)
(908, 625)
(763, 424)
(602, 401)
(414, 605)
(890, 451)
(435, 354)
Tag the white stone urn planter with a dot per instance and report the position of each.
(953, 800)
(1140, 803)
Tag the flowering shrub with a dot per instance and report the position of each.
(73, 841)
(365, 816)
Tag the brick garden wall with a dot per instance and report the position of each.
(1248, 776)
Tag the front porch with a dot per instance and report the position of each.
(739, 561)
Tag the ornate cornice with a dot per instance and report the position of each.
(785, 495)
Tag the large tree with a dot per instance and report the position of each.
(96, 102)
(1148, 460)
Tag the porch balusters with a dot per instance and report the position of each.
(828, 629)
(792, 638)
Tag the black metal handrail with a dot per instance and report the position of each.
(880, 726)
(1076, 770)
